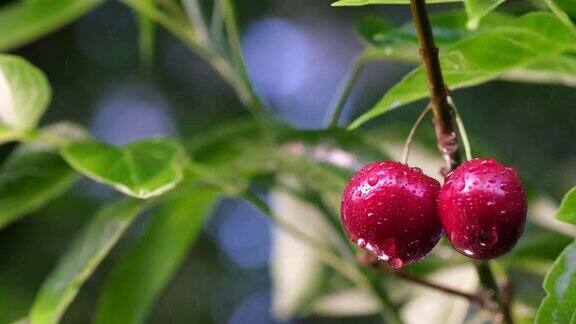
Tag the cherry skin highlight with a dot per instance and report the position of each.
(482, 207)
(391, 210)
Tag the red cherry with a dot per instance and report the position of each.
(482, 207)
(391, 210)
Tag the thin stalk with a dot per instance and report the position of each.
(171, 7)
(264, 208)
(216, 26)
(410, 138)
(184, 31)
(235, 44)
(562, 16)
(346, 88)
(146, 40)
(347, 269)
(462, 131)
(196, 18)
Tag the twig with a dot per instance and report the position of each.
(481, 301)
(410, 138)
(445, 129)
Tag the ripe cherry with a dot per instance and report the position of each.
(391, 210)
(482, 207)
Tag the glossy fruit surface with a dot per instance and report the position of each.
(483, 208)
(390, 210)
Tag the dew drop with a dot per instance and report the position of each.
(361, 242)
(396, 263)
(416, 169)
(491, 203)
(369, 247)
(383, 257)
(487, 238)
(372, 180)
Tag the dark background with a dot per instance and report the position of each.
(297, 53)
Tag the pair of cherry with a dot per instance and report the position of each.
(398, 213)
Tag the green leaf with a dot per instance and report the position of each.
(145, 270)
(448, 27)
(568, 6)
(24, 92)
(477, 9)
(343, 3)
(559, 306)
(30, 179)
(567, 210)
(142, 169)
(86, 253)
(26, 21)
(35, 174)
(401, 44)
(483, 57)
(560, 69)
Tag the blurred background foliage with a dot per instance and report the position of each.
(297, 53)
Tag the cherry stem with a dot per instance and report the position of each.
(461, 131)
(446, 135)
(410, 138)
